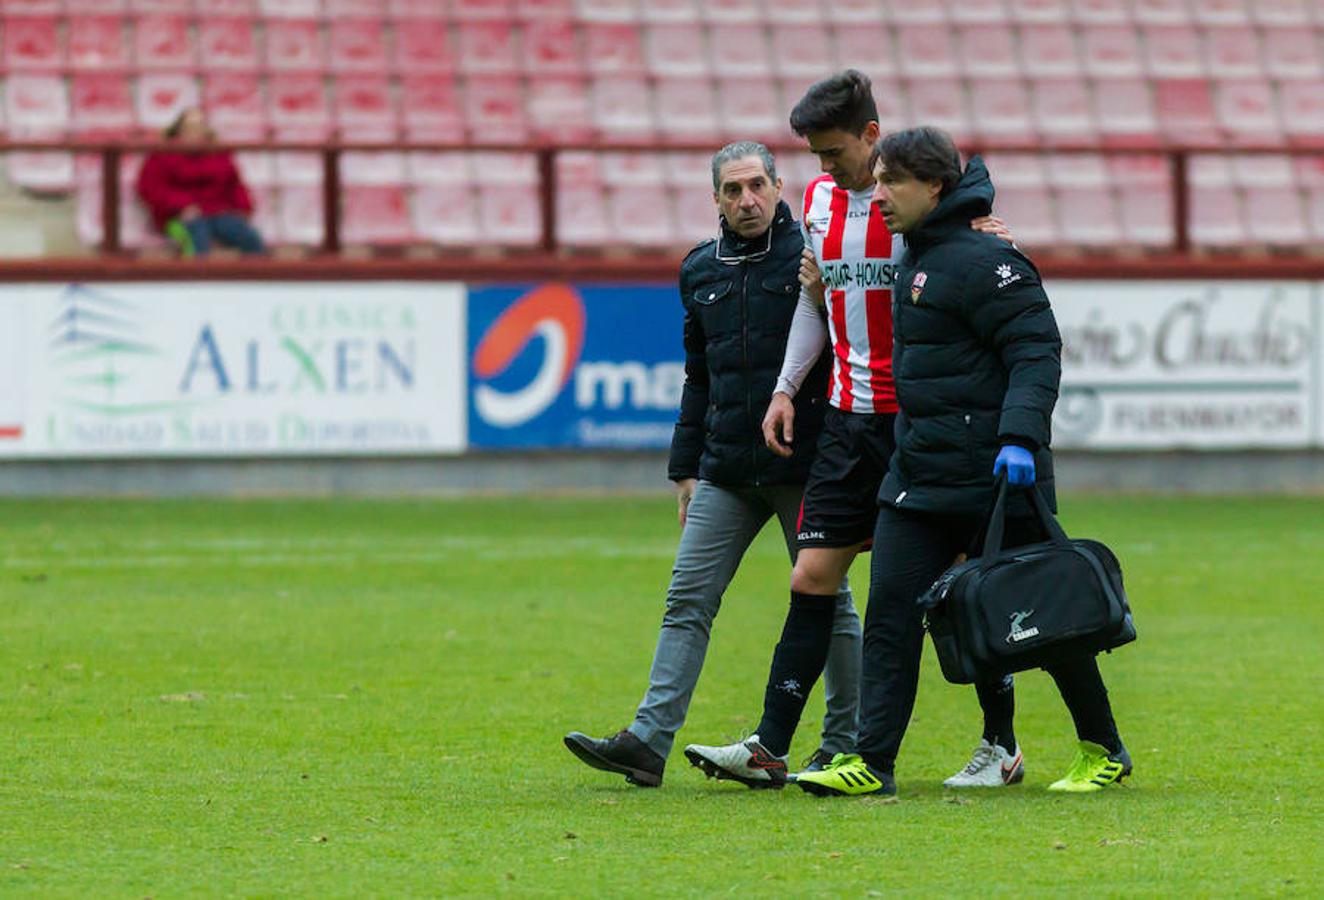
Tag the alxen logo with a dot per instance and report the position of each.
(553, 312)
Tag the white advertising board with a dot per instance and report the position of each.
(232, 369)
(1187, 364)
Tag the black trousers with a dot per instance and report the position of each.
(910, 550)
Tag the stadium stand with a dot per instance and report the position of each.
(1046, 77)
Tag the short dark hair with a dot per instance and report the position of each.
(843, 101)
(926, 152)
(739, 150)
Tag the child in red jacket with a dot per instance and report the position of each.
(195, 194)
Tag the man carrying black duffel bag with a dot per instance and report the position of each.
(977, 360)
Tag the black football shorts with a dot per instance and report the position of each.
(840, 504)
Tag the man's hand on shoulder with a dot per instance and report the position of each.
(811, 277)
(994, 226)
(779, 424)
(684, 494)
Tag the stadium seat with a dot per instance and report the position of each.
(578, 168)
(1001, 112)
(100, 105)
(1217, 219)
(423, 46)
(1143, 184)
(302, 216)
(233, 102)
(853, 11)
(266, 206)
(641, 216)
(894, 106)
(802, 50)
(1302, 105)
(1049, 51)
(75, 7)
(591, 11)
(1308, 172)
(696, 216)
(751, 109)
(164, 42)
(1173, 51)
(1087, 217)
(1288, 13)
(357, 45)
(32, 7)
(1314, 200)
(1062, 111)
(239, 8)
(1124, 109)
(299, 167)
(494, 110)
(864, 46)
(1276, 216)
(289, 9)
(940, 102)
(256, 167)
(1263, 170)
(1210, 170)
(1051, 11)
(669, 11)
(977, 11)
(687, 169)
(581, 216)
(530, 11)
(335, 10)
(1016, 170)
(793, 12)
(431, 108)
(987, 51)
(41, 171)
(1111, 52)
(925, 51)
(614, 48)
(96, 43)
(559, 109)
(1028, 211)
(365, 109)
(294, 45)
(740, 50)
(33, 44)
(1221, 12)
(1186, 111)
(1233, 52)
(488, 48)
(432, 167)
(1101, 12)
(162, 96)
(1161, 12)
(375, 214)
(297, 107)
(686, 109)
(677, 50)
(1247, 111)
(227, 43)
(1292, 53)
(552, 48)
(509, 215)
(622, 109)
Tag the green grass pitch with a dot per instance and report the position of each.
(351, 698)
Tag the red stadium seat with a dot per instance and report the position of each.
(1029, 213)
(96, 43)
(793, 12)
(366, 109)
(1111, 52)
(552, 48)
(233, 101)
(445, 167)
(266, 206)
(687, 109)
(32, 7)
(559, 109)
(1247, 111)
(164, 42)
(864, 46)
(1173, 51)
(481, 10)
(850, 11)
(1263, 170)
(33, 45)
(289, 9)
(42, 171)
(1217, 219)
(1308, 172)
(578, 168)
(375, 168)
(488, 48)
(302, 216)
(940, 102)
(357, 45)
(1161, 12)
(625, 169)
(725, 12)
(297, 107)
(446, 214)
(1186, 111)
(299, 167)
(239, 8)
(1302, 104)
(1088, 217)
(596, 11)
(614, 48)
(920, 11)
(227, 43)
(1292, 53)
(431, 108)
(751, 110)
(1124, 109)
(581, 216)
(494, 110)
(696, 216)
(334, 10)
(531, 11)
(740, 50)
(1144, 191)
(1001, 110)
(294, 45)
(256, 167)
(1016, 170)
(802, 50)
(977, 11)
(894, 107)
(1101, 12)
(377, 214)
(162, 96)
(1221, 12)
(509, 215)
(1315, 214)
(101, 105)
(988, 51)
(925, 51)
(1051, 11)
(89, 7)
(1233, 52)
(1289, 13)
(669, 11)
(1062, 111)
(1049, 50)
(641, 216)
(423, 46)
(677, 50)
(622, 109)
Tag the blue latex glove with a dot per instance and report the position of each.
(1017, 462)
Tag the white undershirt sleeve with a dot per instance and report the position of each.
(806, 341)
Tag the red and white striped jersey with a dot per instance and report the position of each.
(858, 258)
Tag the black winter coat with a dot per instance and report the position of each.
(739, 297)
(976, 356)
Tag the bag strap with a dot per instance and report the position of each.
(1046, 517)
(997, 519)
(995, 527)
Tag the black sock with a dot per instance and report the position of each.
(1083, 690)
(879, 763)
(997, 698)
(796, 664)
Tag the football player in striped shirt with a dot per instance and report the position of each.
(849, 263)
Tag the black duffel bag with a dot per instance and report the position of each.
(1026, 607)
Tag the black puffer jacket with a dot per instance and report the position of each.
(976, 356)
(739, 297)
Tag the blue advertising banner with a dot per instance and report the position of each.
(558, 365)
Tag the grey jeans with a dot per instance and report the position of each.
(719, 527)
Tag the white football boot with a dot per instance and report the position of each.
(990, 766)
(747, 761)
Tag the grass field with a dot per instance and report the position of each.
(368, 698)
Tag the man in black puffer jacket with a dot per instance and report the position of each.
(740, 292)
(977, 360)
